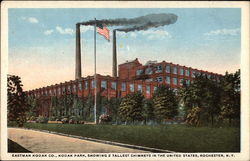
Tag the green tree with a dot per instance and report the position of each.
(17, 101)
(231, 96)
(131, 107)
(88, 112)
(193, 117)
(148, 110)
(204, 94)
(32, 107)
(165, 103)
(113, 107)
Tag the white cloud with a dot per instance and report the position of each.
(155, 34)
(120, 33)
(223, 32)
(48, 32)
(33, 20)
(64, 31)
(30, 19)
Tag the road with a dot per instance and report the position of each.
(41, 142)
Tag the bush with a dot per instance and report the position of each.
(32, 118)
(193, 118)
(42, 119)
(105, 118)
(53, 118)
(65, 120)
(58, 118)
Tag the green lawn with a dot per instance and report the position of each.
(179, 138)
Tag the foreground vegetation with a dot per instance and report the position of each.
(179, 138)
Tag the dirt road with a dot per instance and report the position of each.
(41, 142)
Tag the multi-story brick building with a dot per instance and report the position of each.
(132, 77)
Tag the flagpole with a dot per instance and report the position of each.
(95, 81)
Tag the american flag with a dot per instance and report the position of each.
(104, 31)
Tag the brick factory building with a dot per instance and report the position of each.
(132, 77)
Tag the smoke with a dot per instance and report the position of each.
(136, 24)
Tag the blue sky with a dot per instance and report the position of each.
(42, 41)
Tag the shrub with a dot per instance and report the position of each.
(105, 118)
(53, 118)
(32, 118)
(58, 118)
(42, 119)
(193, 118)
(65, 120)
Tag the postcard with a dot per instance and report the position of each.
(124, 80)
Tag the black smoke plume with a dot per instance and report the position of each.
(136, 24)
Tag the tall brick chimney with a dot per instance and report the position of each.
(114, 70)
(78, 70)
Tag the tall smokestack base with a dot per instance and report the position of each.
(78, 71)
(114, 69)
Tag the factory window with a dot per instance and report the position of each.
(55, 92)
(181, 82)
(69, 89)
(149, 80)
(59, 91)
(139, 88)
(193, 74)
(80, 86)
(74, 88)
(132, 87)
(187, 72)
(149, 70)
(174, 70)
(168, 80)
(139, 72)
(50, 92)
(175, 81)
(113, 85)
(181, 71)
(159, 79)
(86, 84)
(93, 84)
(104, 84)
(158, 69)
(208, 76)
(168, 69)
(123, 87)
(148, 89)
(46, 93)
(155, 88)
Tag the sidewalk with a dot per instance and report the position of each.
(41, 142)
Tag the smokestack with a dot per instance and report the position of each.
(114, 70)
(78, 71)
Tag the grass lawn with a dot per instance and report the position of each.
(13, 147)
(179, 138)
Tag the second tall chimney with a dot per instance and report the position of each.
(78, 70)
(114, 69)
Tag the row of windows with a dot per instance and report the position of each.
(169, 69)
(160, 79)
(103, 85)
(174, 80)
(93, 85)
